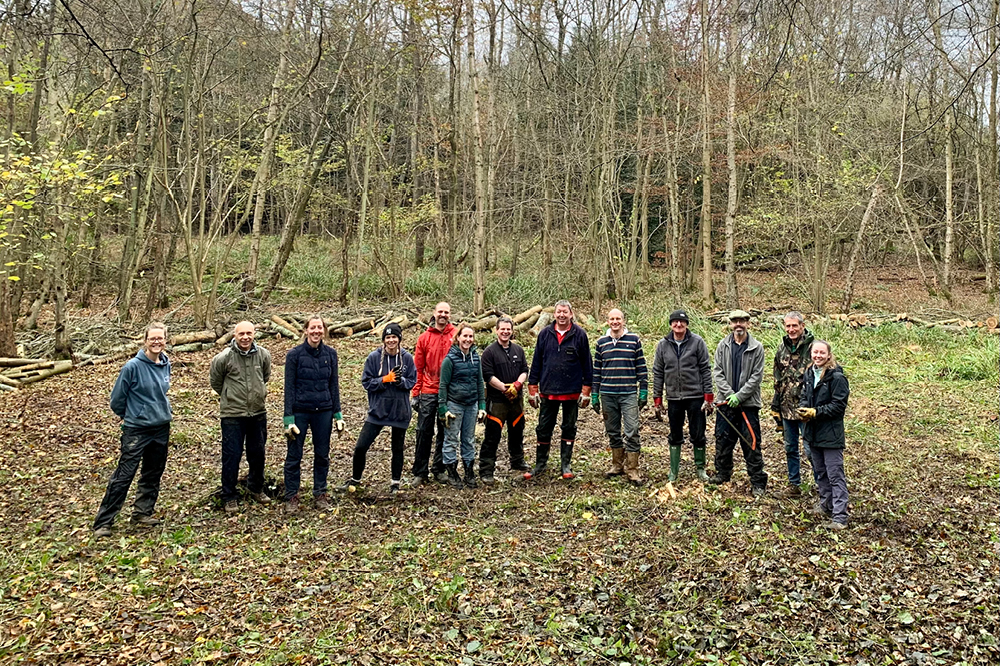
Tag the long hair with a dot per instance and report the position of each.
(831, 362)
(458, 331)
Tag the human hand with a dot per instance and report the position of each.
(733, 401)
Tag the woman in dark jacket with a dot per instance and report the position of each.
(388, 376)
(822, 406)
(461, 402)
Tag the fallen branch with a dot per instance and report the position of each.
(11, 362)
(60, 367)
(520, 318)
(188, 338)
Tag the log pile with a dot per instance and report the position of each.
(952, 325)
(20, 371)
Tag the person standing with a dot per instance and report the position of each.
(312, 401)
(619, 371)
(505, 369)
(560, 378)
(239, 374)
(822, 407)
(139, 398)
(790, 361)
(681, 368)
(388, 377)
(461, 402)
(432, 346)
(739, 371)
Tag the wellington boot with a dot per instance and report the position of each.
(565, 458)
(541, 461)
(699, 463)
(632, 468)
(675, 464)
(617, 463)
(454, 480)
(470, 475)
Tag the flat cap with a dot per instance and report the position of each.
(739, 314)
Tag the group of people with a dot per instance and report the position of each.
(451, 386)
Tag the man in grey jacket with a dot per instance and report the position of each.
(239, 374)
(739, 371)
(682, 369)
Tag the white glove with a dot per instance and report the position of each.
(481, 416)
(339, 425)
(584, 401)
(449, 418)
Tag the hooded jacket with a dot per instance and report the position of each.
(388, 403)
(790, 363)
(829, 399)
(140, 392)
(432, 347)
(561, 368)
(240, 378)
(682, 371)
(461, 379)
(751, 373)
(311, 379)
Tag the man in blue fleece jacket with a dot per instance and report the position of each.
(140, 399)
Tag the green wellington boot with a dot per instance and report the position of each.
(699, 463)
(675, 463)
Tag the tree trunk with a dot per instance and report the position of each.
(706, 165)
(856, 249)
(732, 291)
(479, 212)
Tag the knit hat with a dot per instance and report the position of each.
(393, 329)
(679, 315)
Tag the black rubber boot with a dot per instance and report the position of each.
(541, 461)
(454, 480)
(565, 457)
(470, 474)
(487, 467)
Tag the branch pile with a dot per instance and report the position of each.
(20, 371)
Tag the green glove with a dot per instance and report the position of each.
(595, 402)
(643, 399)
(442, 410)
(287, 421)
(733, 401)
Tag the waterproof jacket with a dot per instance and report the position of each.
(240, 378)
(461, 379)
(311, 379)
(504, 364)
(619, 365)
(829, 399)
(388, 403)
(682, 371)
(751, 372)
(140, 392)
(790, 361)
(561, 369)
(432, 347)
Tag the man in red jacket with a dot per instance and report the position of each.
(432, 347)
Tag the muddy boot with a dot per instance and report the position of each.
(454, 480)
(541, 461)
(675, 464)
(617, 463)
(565, 457)
(470, 475)
(699, 463)
(632, 468)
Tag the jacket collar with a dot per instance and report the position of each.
(252, 350)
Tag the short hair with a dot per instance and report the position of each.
(794, 315)
(564, 303)
(504, 319)
(313, 318)
(154, 325)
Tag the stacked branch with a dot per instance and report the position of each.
(20, 371)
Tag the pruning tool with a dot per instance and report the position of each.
(752, 442)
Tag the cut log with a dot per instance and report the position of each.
(529, 322)
(281, 330)
(288, 326)
(224, 340)
(522, 317)
(340, 331)
(190, 347)
(7, 381)
(401, 319)
(10, 362)
(34, 366)
(992, 323)
(551, 309)
(58, 369)
(188, 338)
(5, 387)
(544, 319)
(484, 324)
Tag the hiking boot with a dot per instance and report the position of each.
(541, 461)
(717, 480)
(617, 463)
(565, 457)
(487, 480)
(442, 477)
(346, 487)
(231, 506)
(699, 463)
(394, 487)
(758, 492)
(454, 480)
(292, 505)
(417, 481)
(260, 498)
(835, 525)
(519, 466)
(322, 502)
(147, 521)
(470, 475)
(793, 491)
(632, 468)
(675, 464)
(817, 509)
(102, 532)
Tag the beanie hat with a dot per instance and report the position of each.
(679, 315)
(392, 329)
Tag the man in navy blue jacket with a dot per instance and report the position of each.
(140, 399)
(560, 378)
(312, 400)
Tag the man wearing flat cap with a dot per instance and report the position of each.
(682, 370)
(739, 372)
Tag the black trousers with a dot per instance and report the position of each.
(726, 438)
(498, 414)
(548, 413)
(237, 432)
(369, 432)
(427, 407)
(145, 447)
(690, 408)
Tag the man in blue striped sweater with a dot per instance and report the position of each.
(619, 371)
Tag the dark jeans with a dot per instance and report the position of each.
(725, 443)
(322, 426)
(237, 431)
(427, 417)
(621, 420)
(139, 446)
(369, 431)
(792, 433)
(690, 408)
(499, 414)
(547, 415)
(831, 482)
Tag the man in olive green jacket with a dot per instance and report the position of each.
(239, 374)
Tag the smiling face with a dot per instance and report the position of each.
(391, 343)
(794, 328)
(679, 327)
(315, 330)
(739, 327)
(504, 332)
(563, 315)
(244, 334)
(616, 322)
(442, 315)
(820, 354)
(466, 339)
(155, 342)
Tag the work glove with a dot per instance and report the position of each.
(658, 407)
(533, 398)
(513, 390)
(596, 403)
(481, 416)
(807, 413)
(779, 425)
(448, 418)
(709, 405)
(733, 401)
(414, 402)
(584, 400)
(390, 378)
(338, 423)
(643, 399)
(291, 430)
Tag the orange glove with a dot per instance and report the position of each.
(390, 378)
